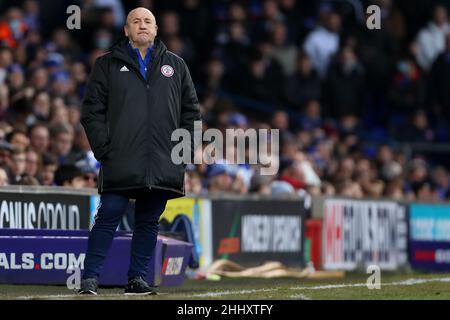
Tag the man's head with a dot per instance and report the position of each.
(40, 138)
(4, 179)
(440, 15)
(49, 167)
(334, 22)
(32, 164)
(20, 162)
(62, 134)
(19, 139)
(219, 178)
(141, 28)
(69, 176)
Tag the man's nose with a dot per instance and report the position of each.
(142, 26)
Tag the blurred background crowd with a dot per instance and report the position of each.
(361, 113)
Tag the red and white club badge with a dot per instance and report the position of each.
(167, 71)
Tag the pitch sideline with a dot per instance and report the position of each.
(408, 282)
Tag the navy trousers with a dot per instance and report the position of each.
(148, 209)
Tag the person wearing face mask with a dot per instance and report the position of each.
(13, 28)
(103, 39)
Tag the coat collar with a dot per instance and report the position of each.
(120, 51)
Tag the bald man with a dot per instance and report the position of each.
(137, 95)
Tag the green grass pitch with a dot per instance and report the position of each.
(353, 286)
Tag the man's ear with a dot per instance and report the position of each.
(125, 30)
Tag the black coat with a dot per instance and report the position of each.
(129, 120)
(345, 91)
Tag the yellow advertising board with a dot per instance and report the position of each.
(180, 206)
(194, 209)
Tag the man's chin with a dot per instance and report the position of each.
(142, 40)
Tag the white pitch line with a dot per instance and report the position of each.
(408, 282)
(330, 286)
(69, 296)
(299, 296)
(53, 296)
(224, 293)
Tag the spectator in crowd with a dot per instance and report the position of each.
(236, 50)
(261, 185)
(31, 10)
(292, 173)
(219, 178)
(193, 183)
(284, 53)
(350, 189)
(263, 72)
(19, 166)
(303, 85)
(117, 10)
(49, 167)
(312, 116)
(4, 180)
(39, 138)
(32, 163)
(418, 130)
(281, 189)
(441, 181)
(345, 85)
(439, 84)
(406, 92)
(13, 28)
(417, 177)
(62, 138)
(323, 42)
(41, 105)
(69, 176)
(215, 71)
(431, 39)
(19, 139)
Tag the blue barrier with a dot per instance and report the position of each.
(44, 256)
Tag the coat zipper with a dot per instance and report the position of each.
(151, 66)
(151, 71)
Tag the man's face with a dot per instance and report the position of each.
(32, 163)
(223, 181)
(16, 79)
(20, 140)
(19, 163)
(440, 16)
(77, 182)
(63, 144)
(5, 157)
(40, 139)
(141, 26)
(334, 22)
(90, 180)
(48, 175)
(4, 181)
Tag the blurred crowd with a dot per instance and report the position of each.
(346, 99)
